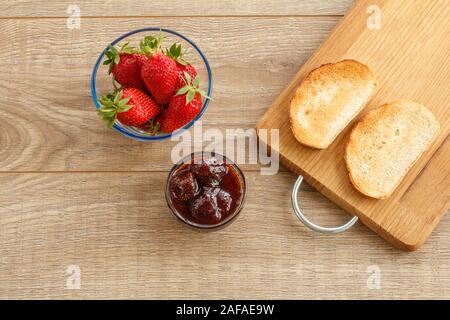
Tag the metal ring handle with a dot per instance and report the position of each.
(298, 212)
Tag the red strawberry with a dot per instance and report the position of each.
(130, 106)
(183, 107)
(125, 65)
(160, 77)
(179, 113)
(189, 69)
(183, 66)
(159, 73)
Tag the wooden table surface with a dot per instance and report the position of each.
(76, 194)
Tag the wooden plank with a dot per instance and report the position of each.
(117, 229)
(132, 8)
(406, 220)
(49, 121)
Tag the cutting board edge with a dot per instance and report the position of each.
(399, 242)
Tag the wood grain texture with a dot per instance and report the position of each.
(71, 194)
(51, 123)
(104, 8)
(410, 61)
(118, 230)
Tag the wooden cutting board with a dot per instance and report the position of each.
(409, 52)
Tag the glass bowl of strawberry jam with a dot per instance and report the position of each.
(206, 190)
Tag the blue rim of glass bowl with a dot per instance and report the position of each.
(157, 137)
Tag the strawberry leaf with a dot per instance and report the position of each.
(124, 108)
(183, 62)
(113, 57)
(182, 90)
(110, 121)
(190, 96)
(150, 44)
(111, 105)
(196, 81)
(187, 77)
(176, 53)
(123, 101)
(191, 88)
(153, 128)
(202, 93)
(126, 48)
(117, 97)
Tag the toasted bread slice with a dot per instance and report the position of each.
(328, 99)
(386, 143)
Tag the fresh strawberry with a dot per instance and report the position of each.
(125, 65)
(184, 106)
(176, 53)
(159, 73)
(189, 69)
(130, 106)
(160, 77)
(179, 113)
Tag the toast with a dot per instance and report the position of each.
(328, 99)
(386, 143)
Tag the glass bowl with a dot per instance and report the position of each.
(239, 174)
(101, 82)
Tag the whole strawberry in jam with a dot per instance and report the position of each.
(184, 106)
(130, 106)
(159, 72)
(210, 171)
(204, 207)
(224, 200)
(211, 204)
(125, 65)
(183, 186)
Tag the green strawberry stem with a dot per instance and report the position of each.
(112, 104)
(151, 45)
(176, 53)
(113, 55)
(153, 128)
(116, 85)
(191, 88)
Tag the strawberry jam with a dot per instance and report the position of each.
(205, 190)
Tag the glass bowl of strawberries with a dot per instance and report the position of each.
(151, 83)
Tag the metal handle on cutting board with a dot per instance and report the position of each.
(298, 212)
